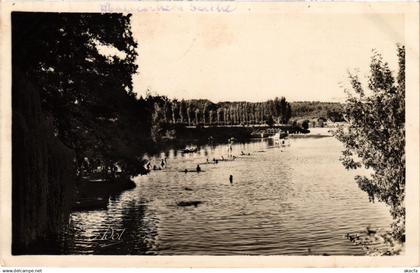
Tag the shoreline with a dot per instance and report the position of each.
(93, 195)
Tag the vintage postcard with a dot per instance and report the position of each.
(209, 134)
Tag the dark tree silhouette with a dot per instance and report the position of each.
(375, 136)
(82, 65)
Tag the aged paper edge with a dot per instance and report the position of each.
(411, 257)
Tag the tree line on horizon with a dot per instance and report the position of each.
(163, 114)
(197, 112)
(204, 112)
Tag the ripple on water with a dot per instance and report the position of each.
(285, 202)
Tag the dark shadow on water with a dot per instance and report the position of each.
(139, 232)
(136, 235)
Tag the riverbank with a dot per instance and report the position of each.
(376, 242)
(316, 132)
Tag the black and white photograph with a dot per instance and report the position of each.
(208, 130)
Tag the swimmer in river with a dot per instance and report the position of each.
(185, 171)
(198, 168)
(231, 179)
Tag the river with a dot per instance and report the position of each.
(291, 200)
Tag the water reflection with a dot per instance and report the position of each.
(285, 199)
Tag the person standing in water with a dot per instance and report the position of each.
(198, 168)
(231, 179)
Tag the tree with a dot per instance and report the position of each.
(375, 136)
(173, 111)
(189, 113)
(210, 116)
(87, 91)
(182, 111)
(334, 116)
(232, 114)
(256, 113)
(71, 100)
(218, 115)
(157, 119)
(260, 113)
(246, 112)
(283, 108)
(197, 112)
(167, 116)
(205, 108)
(305, 124)
(288, 113)
(270, 121)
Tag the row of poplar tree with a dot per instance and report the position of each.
(204, 112)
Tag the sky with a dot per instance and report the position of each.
(258, 56)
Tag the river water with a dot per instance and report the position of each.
(291, 200)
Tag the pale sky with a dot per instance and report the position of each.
(255, 56)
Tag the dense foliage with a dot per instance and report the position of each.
(82, 66)
(375, 136)
(315, 109)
